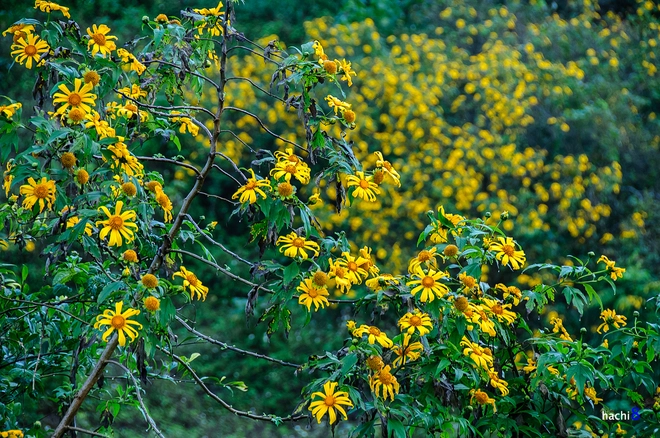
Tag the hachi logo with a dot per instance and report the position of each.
(633, 414)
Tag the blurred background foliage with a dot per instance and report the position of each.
(545, 110)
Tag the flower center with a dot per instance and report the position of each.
(481, 397)
(41, 191)
(469, 282)
(508, 250)
(374, 331)
(130, 107)
(285, 189)
(313, 293)
(298, 242)
(250, 185)
(497, 309)
(424, 255)
(290, 168)
(378, 177)
(99, 39)
(76, 115)
(116, 222)
(385, 377)
(329, 400)
(74, 99)
(364, 183)
(340, 272)
(387, 165)
(320, 278)
(192, 279)
(118, 322)
(91, 77)
(416, 321)
(352, 266)
(293, 159)
(30, 50)
(428, 282)
(461, 303)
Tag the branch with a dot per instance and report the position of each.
(268, 93)
(224, 404)
(86, 387)
(150, 420)
(240, 110)
(88, 432)
(232, 348)
(219, 268)
(50, 306)
(171, 64)
(228, 251)
(169, 160)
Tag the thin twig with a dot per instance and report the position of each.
(225, 249)
(219, 268)
(223, 403)
(218, 197)
(50, 306)
(171, 64)
(268, 93)
(169, 160)
(232, 348)
(264, 127)
(145, 412)
(88, 432)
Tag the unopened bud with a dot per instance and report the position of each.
(636, 314)
(583, 330)
(488, 215)
(145, 19)
(591, 254)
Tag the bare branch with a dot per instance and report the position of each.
(237, 138)
(240, 110)
(225, 249)
(171, 64)
(218, 197)
(232, 348)
(88, 432)
(144, 410)
(169, 160)
(219, 268)
(268, 93)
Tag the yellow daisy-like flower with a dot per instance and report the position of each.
(331, 401)
(100, 41)
(80, 97)
(485, 323)
(612, 269)
(119, 225)
(407, 352)
(386, 167)
(530, 367)
(507, 253)
(559, 328)
(368, 264)
(249, 192)
(42, 192)
(130, 256)
(354, 267)
(296, 246)
(374, 335)
(192, 284)
(499, 310)
(7, 178)
(215, 23)
(92, 77)
(428, 284)
(152, 304)
(312, 294)
(591, 394)
(384, 384)
(339, 274)
(134, 92)
(29, 49)
(417, 320)
(131, 60)
(345, 68)
(150, 281)
(336, 104)
(470, 284)
(365, 188)
(74, 220)
(510, 291)
(375, 363)
(45, 6)
(166, 204)
(482, 398)
(19, 30)
(287, 169)
(125, 160)
(381, 282)
(119, 321)
(479, 355)
(102, 127)
(425, 257)
(610, 317)
(9, 110)
(318, 51)
(498, 383)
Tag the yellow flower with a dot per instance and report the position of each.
(102, 127)
(482, 398)
(125, 160)
(365, 188)
(130, 256)
(499, 310)
(312, 294)
(191, 282)
(386, 166)
(373, 335)
(119, 321)
(337, 104)
(318, 51)
(450, 251)
(331, 400)
(530, 367)
(339, 273)
(478, 354)
(100, 41)
(469, 283)
(152, 304)
(118, 225)
(506, 252)
(68, 160)
(613, 270)
(610, 317)
(215, 25)
(417, 320)
(42, 191)
(384, 384)
(428, 284)
(375, 363)
(128, 57)
(249, 192)
(558, 326)
(74, 220)
(591, 394)
(425, 257)
(355, 271)
(407, 352)
(498, 383)
(9, 110)
(80, 97)
(296, 246)
(368, 264)
(150, 281)
(165, 203)
(134, 92)
(82, 176)
(286, 169)
(92, 77)
(381, 282)
(510, 291)
(345, 68)
(19, 30)
(29, 49)
(45, 6)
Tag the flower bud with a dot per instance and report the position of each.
(591, 254)
(145, 19)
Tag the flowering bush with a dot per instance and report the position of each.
(433, 347)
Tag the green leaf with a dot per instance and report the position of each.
(396, 428)
(348, 362)
(290, 272)
(108, 290)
